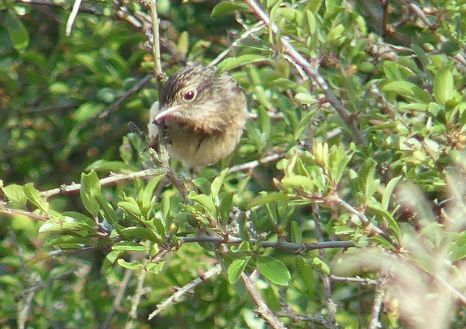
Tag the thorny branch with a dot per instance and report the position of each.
(290, 51)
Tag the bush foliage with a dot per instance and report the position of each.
(343, 205)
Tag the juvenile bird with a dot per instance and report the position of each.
(204, 113)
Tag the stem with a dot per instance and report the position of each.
(289, 50)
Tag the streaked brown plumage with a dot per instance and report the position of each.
(204, 113)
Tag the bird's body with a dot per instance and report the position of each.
(204, 114)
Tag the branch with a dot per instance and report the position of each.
(140, 291)
(121, 13)
(319, 319)
(296, 247)
(255, 163)
(127, 95)
(256, 28)
(14, 212)
(358, 280)
(112, 179)
(377, 305)
(364, 220)
(175, 298)
(118, 299)
(261, 306)
(72, 17)
(416, 9)
(331, 305)
(289, 50)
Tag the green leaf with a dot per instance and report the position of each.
(34, 197)
(107, 208)
(15, 193)
(65, 223)
(90, 187)
(388, 193)
(226, 7)
(338, 161)
(267, 198)
(274, 270)
(129, 246)
(114, 166)
(59, 88)
(148, 196)
(207, 203)
(217, 184)
(303, 124)
(139, 233)
(265, 122)
(236, 268)
(366, 181)
(130, 206)
(395, 72)
(296, 234)
(298, 183)
(86, 111)
(135, 265)
(234, 62)
(407, 90)
(69, 242)
(17, 32)
(317, 262)
(458, 248)
(444, 86)
(225, 207)
(80, 217)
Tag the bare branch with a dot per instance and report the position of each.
(416, 9)
(112, 179)
(319, 319)
(289, 50)
(261, 306)
(14, 212)
(377, 305)
(358, 280)
(331, 305)
(256, 28)
(72, 17)
(118, 298)
(295, 247)
(176, 297)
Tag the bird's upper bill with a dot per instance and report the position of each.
(165, 113)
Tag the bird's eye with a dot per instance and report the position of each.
(189, 96)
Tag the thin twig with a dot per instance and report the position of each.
(127, 95)
(318, 319)
(122, 13)
(331, 305)
(14, 212)
(256, 28)
(112, 179)
(358, 280)
(253, 164)
(175, 298)
(118, 298)
(140, 291)
(362, 217)
(377, 305)
(289, 50)
(294, 247)
(261, 306)
(72, 17)
(416, 9)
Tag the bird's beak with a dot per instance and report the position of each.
(165, 112)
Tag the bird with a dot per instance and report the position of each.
(204, 112)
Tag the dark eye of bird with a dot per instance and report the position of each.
(189, 96)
